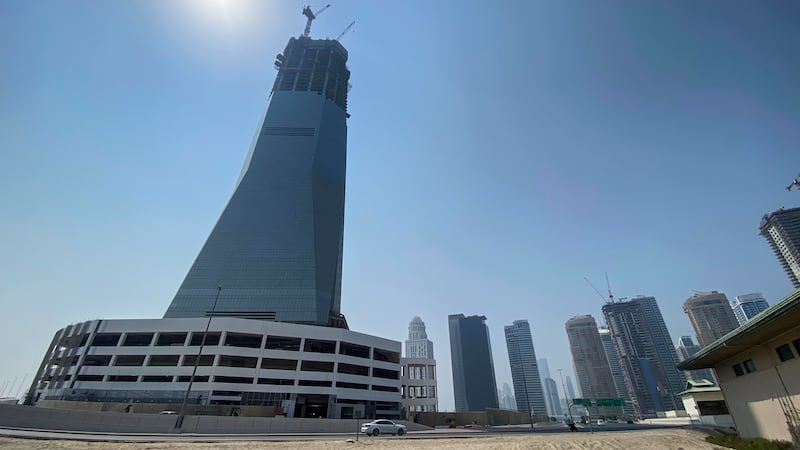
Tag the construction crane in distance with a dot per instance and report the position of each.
(345, 30)
(595, 289)
(610, 295)
(311, 15)
(795, 182)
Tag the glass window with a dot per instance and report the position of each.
(749, 367)
(283, 343)
(796, 344)
(319, 346)
(785, 352)
(737, 369)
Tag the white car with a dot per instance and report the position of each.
(379, 426)
(600, 422)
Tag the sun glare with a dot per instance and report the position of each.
(220, 13)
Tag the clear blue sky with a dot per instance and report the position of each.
(498, 153)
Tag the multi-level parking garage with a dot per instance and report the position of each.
(302, 370)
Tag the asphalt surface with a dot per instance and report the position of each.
(432, 434)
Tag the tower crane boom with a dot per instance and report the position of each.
(310, 16)
(346, 30)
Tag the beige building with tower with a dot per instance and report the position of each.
(418, 372)
(758, 368)
(711, 316)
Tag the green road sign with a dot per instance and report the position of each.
(610, 402)
(582, 401)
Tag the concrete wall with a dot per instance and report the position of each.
(155, 408)
(490, 417)
(753, 398)
(35, 417)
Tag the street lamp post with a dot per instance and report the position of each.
(566, 399)
(527, 396)
(179, 420)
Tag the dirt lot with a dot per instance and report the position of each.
(651, 439)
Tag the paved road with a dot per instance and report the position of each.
(432, 434)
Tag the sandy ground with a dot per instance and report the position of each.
(650, 439)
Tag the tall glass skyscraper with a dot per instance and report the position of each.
(781, 228)
(745, 307)
(276, 249)
(524, 368)
(474, 383)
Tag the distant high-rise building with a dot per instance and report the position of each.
(647, 357)
(418, 345)
(745, 307)
(474, 385)
(571, 388)
(418, 371)
(711, 316)
(524, 369)
(589, 357)
(781, 228)
(616, 370)
(544, 368)
(507, 400)
(551, 397)
(685, 349)
(550, 391)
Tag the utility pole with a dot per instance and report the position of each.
(527, 396)
(179, 421)
(564, 388)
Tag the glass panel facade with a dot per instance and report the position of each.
(276, 249)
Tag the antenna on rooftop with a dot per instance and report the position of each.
(311, 15)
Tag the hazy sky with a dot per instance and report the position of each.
(498, 153)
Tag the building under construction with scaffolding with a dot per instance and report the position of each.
(646, 355)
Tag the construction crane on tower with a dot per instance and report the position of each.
(310, 16)
(345, 30)
(610, 295)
